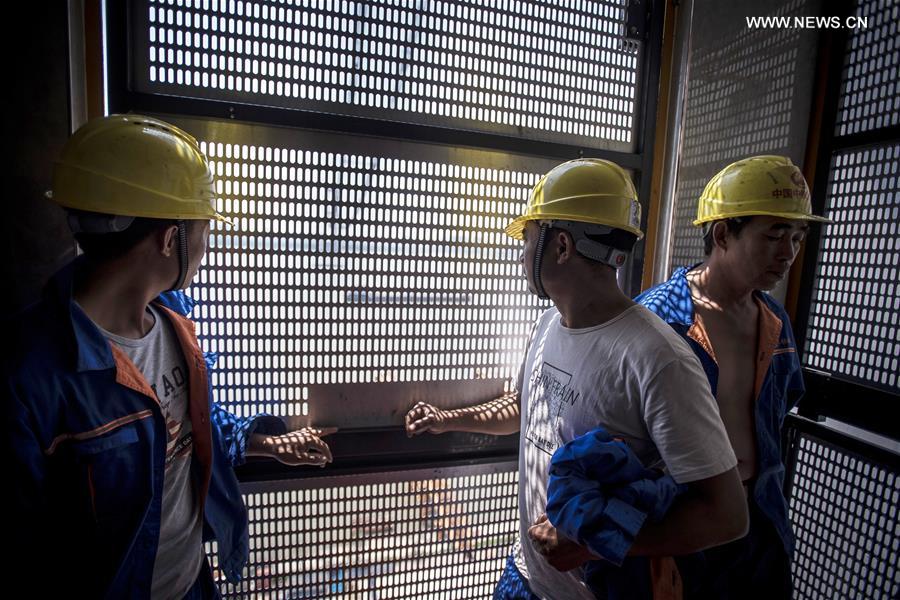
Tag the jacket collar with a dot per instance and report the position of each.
(680, 305)
(90, 347)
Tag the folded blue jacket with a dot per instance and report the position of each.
(600, 495)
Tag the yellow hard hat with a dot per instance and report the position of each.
(135, 166)
(587, 190)
(759, 185)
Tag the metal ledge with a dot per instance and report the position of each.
(380, 452)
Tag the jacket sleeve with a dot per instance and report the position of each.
(235, 432)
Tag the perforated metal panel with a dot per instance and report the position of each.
(418, 534)
(687, 243)
(531, 69)
(357, 281)
(853, 329)
(746, 88)
(844, 513)
(870, 94)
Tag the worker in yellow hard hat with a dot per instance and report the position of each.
(596, 358)
(595, 202)
(770, 188)
(755, 214)
(122, 464)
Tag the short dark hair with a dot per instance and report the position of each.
(734, 224)
(105, 246)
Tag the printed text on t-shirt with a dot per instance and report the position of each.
(549, 398)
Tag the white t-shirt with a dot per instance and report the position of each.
(634, 376)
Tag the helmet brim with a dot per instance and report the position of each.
(753, 213)
(516, 228)
(517, 225)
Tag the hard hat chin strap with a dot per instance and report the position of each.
(612, 257)
(591, 249)
(85, 222)
(182, 250)
(538, 257)
(602, 253)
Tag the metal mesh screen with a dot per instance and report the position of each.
(746, 90)
(853, 329)
(522, 68)
(687, 243)
(420, 534)
(360, 281)
(844, 513)
(870, 95)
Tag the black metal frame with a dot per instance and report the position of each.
(370, 450)
(647, 140)
(859, 405)
(827, 395)
(390, 446)
(123, 99)
(795, 426)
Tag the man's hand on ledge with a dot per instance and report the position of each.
(425, 417)
(301, 447)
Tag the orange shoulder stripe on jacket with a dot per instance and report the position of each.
(129, 375)
(784, 351)
(769, 333)
(198, 395)
(86, 435)
(697, 332)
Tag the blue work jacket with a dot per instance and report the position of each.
(779, 384)
(88, 444)
(600, 495)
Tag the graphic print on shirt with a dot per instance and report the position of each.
(550, 397)
(173, 402)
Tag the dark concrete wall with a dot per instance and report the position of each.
(36, 239)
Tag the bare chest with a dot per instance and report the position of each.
(734, 344)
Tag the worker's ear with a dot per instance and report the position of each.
(565, 246)
(167, 240)
(720, 235)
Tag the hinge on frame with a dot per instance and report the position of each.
(637, 19)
